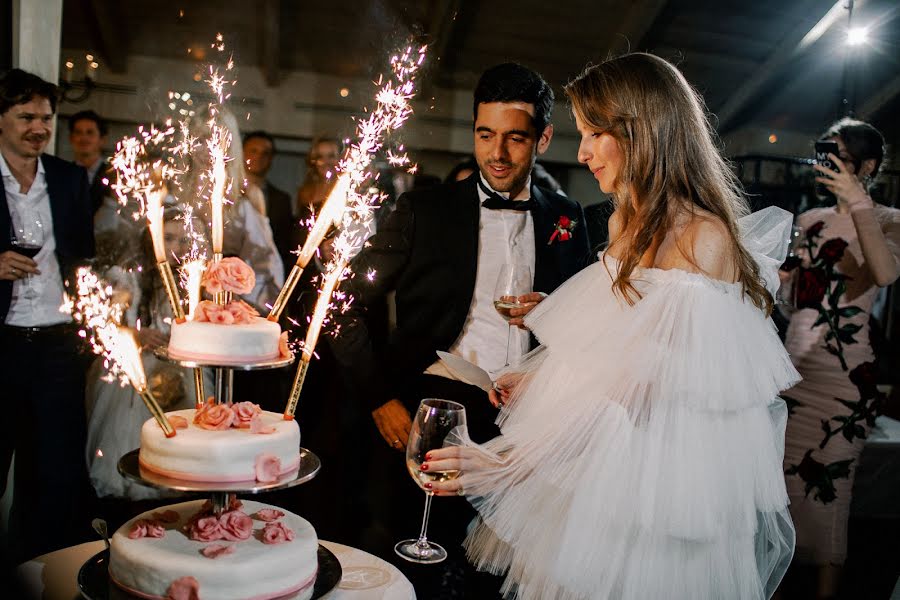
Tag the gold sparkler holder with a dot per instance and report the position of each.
(287, 289)
(157, 412)
(168, 278)
(296, 388)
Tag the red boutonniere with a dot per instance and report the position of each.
(564, 229)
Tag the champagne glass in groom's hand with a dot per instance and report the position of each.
(433, 421)
(512, 282)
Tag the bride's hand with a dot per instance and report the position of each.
(452, 458)
(501, 391)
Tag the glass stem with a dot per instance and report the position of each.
(422, 542)
(509, 334)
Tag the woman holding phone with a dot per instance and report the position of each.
(847, 252)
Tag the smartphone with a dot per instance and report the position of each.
(823, 149)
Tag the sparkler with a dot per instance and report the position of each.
(345, 203)
(357, 201)
(93, 307)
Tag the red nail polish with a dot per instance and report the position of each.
(427, 486)
(423, 467)
(428, 457)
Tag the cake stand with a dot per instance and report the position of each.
(93, 578)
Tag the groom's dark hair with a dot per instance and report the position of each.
(511, 82)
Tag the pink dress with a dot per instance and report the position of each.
(821, 523)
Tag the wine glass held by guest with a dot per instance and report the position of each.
(847, 251)
(639, 453)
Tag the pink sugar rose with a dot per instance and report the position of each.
(146, 528)
(277, 533)
(268, 467)
(201, 312)
(220, 316)
(167, 516)
(242, 312)
(206, 529)
(269, 514)
(244, 412)
(216, 418)
(257, 426)
(177, 421)
(217, 550)
(235, 526)
(284, 347)
(229, 275)
(184, 588)
(210, 402)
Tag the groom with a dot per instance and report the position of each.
(441, 250)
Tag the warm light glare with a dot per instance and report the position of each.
(773, 138)
(857, 36)
(344, 92)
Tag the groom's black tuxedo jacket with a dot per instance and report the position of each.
(427, 252)
(73, 226)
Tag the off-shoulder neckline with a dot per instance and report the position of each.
(675, 273)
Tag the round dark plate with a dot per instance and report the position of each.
(94, 582)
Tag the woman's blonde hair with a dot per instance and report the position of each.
(660, 124)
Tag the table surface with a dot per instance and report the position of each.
(54, 576)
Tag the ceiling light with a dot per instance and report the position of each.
(857, 36)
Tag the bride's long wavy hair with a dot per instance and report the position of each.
(670, 155)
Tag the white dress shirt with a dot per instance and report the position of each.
(504, 237)
(43, 309)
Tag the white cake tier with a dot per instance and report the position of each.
(147, 566)
(253, 342)
(197, 454)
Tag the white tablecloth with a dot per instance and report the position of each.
(54, 576)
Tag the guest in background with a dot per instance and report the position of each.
(321, 164)
(87, 135)
(45, 205)
(848, 252)
(259, 150)
(462, 170)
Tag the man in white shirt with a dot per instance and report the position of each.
(45, 220)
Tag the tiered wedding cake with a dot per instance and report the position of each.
(243, 551)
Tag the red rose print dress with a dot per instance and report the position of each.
(828, 340)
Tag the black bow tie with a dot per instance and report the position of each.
(497, 202)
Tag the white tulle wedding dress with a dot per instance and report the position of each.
(641, 456)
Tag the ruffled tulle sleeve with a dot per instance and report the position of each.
(648, 439)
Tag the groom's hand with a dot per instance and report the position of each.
(530, 300)
(394, 423)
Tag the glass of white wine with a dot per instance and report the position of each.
(433, 421)
(512, 282)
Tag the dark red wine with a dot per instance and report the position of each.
(29, 251)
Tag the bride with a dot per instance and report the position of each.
(640, 454)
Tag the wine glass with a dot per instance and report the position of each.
(513, 281)
(433, 421)
(27, 239)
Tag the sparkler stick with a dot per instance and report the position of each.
(391, 112)
(332, 213)
(312, 335)
(94, 309)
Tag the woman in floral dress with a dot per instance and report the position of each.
(848, 251)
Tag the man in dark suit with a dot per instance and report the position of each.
(441, 251)
(45, 217)
(87, 135)
(259, 151)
